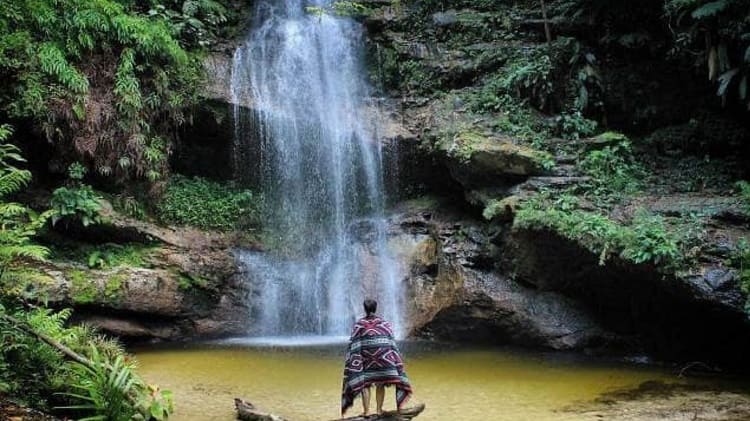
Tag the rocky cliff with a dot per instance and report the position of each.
(467, 147)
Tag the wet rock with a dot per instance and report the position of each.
(455, 293)
(477, 160)
(218, 67)
(499, 311)
(720, 278)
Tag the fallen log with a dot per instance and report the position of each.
(403, 415)
(246, 411)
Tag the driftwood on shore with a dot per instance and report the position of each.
(248, 412)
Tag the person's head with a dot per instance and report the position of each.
(371, 306)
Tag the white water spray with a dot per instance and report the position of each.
(321, 173)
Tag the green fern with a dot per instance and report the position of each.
(18, 224)
(50, 48)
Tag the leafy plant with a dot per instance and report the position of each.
(208, 205)
(197, 22)
(720, 31)
(650, 241)
(51, 50)
(647, 239)
(129, 205)
(575, 125)
(76, 171)
(109, 389)
(32, 369)
(104, 389)
(79, 203)
(18, 224)
(102, 256)
(612, 169)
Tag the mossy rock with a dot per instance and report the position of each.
(476, 156)
(114, 287)
(83, 289)
(501, 209)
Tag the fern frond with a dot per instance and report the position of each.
(13, 181)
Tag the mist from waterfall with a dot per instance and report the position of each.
(321, 172)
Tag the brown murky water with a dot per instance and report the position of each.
(303, 383)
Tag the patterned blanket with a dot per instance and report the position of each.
(372, 359)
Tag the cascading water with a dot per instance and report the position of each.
(321, 173)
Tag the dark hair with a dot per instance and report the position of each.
(371, 306)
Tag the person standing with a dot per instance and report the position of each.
(373, 359)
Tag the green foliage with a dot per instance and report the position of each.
(613, 169)
(36, 373)
(208, 205)
(650, 240)
(519, 121)
(527, 76)
(103, 256)
(18, 224)
(646, 239)
(340, 8)
(196, 22)
(82, 288)
(415, 76)
(110, 390)
(575, 126)
(719, 30)
(51, 50)
(79, 203)
(104, 389)
(548, 77)
(187, 281)
(129, 205)
(76, 171)
(743, 187)
(740, 260)
(31, 370)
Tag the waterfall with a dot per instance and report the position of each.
(321, 172)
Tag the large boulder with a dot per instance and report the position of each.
(689, 317)
(476, 159)
(185, 284)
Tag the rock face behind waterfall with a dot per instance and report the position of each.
(456, 290)
(476, 278)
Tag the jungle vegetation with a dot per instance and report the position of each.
(107, 85)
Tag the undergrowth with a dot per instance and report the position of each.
(646, 238)
(208, 204)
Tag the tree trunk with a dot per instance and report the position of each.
(547, 31)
